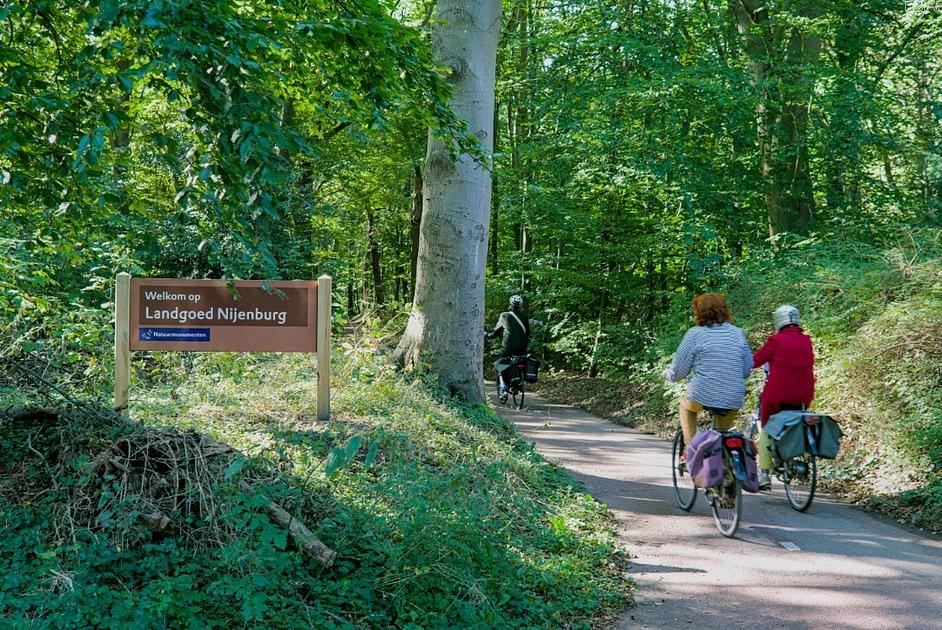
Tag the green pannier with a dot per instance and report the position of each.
(828, 438)
(794, 433)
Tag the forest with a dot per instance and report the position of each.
(640, 152)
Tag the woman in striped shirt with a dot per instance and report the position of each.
(719, 357)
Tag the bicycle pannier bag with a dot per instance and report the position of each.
(508, 370)
(751, 482)
(828, 435)
(705, 459)
(533, 368)
(742, 456)
(512, 375)
(788, 433)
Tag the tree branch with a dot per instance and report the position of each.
(333, 132)
(47, 22)
(716, 37)
(907, 39)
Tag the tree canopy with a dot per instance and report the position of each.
(641, 148)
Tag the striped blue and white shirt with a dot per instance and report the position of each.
(720, 359)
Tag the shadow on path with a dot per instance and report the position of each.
(851, 570)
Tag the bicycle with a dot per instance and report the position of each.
(799, 475)
(726, 499)
(515, 376)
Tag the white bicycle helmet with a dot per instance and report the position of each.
(785, 315)
(516, 301)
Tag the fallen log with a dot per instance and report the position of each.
(156, 522)
(212, 447)
(302, 536)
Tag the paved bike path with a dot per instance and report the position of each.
(832, 567)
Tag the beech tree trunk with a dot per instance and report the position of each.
(782, 111)
(415, 224)
(446, 326)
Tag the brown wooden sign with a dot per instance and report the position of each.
(207, 316)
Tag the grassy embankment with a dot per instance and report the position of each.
(441, 516)
(876, 320)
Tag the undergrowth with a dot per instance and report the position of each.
(876, 320)
(441, 516)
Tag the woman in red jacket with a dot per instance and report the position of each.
(791, 377)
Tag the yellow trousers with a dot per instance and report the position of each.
(765, 450)
(688, 419)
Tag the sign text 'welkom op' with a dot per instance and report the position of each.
(211, 316)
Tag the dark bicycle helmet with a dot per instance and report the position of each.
(516, 301)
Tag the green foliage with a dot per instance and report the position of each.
(631, 171)
(199, 138)
(875, 316)
(441, 515)
(192, 139)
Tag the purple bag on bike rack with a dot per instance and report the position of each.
(751, 482)
(705, 459)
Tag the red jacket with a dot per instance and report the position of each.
(791, 378)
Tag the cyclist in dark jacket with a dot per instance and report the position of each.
(513, 327)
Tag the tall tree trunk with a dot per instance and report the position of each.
(844, 128)
(495, 204)
(593, 357)
(782, 113)
(416, 222)
(122, 144)
(399, 284)
(603, 304)
(523, 19)
(375, 262)
(752, 17)
(445, 329)
(526, 246)
(924, 122)
(804, 48)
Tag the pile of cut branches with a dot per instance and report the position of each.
(158, 480)
(95, 471)
(134, 483)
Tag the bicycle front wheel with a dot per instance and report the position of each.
(800, 478)
(684, 490)
(727, 507)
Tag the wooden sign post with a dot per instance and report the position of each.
(122, 337)
(166, 314)
(324, 284)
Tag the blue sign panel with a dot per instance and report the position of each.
(174, 334)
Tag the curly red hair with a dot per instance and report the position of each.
(710, 308)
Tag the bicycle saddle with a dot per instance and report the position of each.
(717, 410)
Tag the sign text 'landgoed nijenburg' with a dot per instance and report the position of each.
(205, 315)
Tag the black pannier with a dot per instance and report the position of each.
(512, 375)
(532, 369)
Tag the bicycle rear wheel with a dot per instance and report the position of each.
(800, 478)
(684, 490)
(727, 507)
